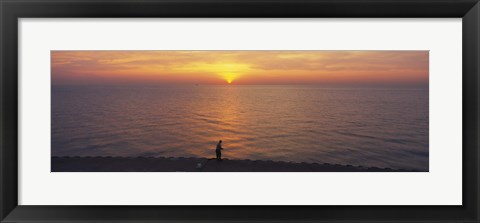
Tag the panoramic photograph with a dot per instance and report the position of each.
(239, 111)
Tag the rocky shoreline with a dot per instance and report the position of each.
(182, 164)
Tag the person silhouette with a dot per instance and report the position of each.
(218, 150)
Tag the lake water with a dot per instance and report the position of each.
(367, 127)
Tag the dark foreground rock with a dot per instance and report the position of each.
(180, 164)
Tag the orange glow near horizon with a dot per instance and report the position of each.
(240, 67)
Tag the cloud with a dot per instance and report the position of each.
(198, 65)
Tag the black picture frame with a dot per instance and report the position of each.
(12, 10)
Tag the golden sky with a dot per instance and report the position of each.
(408, 68)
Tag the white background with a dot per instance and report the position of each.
(441, 186)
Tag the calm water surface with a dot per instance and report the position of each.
(368, 127)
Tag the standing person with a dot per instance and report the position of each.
(218, 150)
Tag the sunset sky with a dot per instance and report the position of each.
(369, 68)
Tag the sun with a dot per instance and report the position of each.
(229, 78)
(229, 71)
